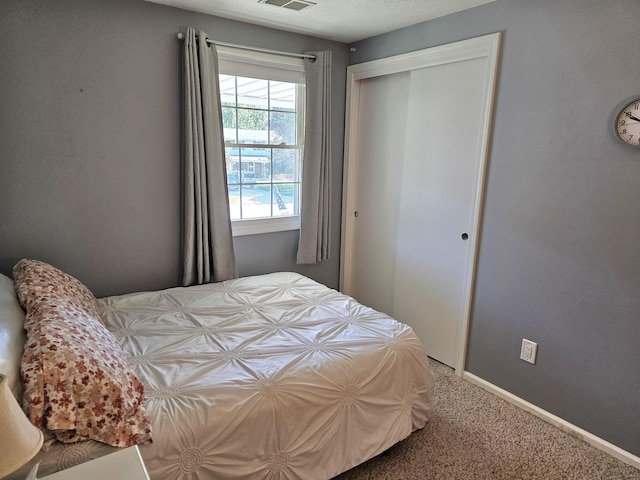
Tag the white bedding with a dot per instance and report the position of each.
(274, 376)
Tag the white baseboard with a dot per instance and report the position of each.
(590, 438)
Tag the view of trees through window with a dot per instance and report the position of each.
(263, 137)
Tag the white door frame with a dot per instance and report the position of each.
(486, 46)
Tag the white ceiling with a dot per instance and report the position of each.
(340, 20)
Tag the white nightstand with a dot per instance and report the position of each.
(124, 464)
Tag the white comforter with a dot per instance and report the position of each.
(274, 376)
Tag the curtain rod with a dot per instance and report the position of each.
(254, 49)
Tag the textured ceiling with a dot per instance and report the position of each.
(340, 20)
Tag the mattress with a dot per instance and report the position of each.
(273, 376)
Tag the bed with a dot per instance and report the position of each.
(270, 376)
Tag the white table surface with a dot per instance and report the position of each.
(123, 464)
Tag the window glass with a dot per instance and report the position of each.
(286, 166)
(262, 120)
(282, 128)
(283, 96)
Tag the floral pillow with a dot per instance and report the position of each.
(37, 282)
(78, 383)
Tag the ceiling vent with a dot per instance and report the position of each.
(290, 4)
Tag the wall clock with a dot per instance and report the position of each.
(626, 125)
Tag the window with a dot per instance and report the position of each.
(263, 117)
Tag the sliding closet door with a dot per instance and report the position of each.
(416, 149)
(383, 114)
(435, 225)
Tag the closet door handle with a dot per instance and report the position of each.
(464, 236)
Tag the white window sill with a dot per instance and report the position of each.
(264, 225)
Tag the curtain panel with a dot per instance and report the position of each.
(208, 252)
(315, 216)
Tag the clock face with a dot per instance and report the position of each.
(627, 126)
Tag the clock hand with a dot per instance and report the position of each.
(632, 117)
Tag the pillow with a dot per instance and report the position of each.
(12, 335)
(37, 281)
(78, 383)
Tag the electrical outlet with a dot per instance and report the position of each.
(528, 351)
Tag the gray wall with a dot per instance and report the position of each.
(559, 259)
(90, 141)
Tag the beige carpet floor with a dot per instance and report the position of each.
(473, 434)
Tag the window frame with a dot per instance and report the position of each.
(243, 63)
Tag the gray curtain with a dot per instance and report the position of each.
(208, 252)
(315, 215)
